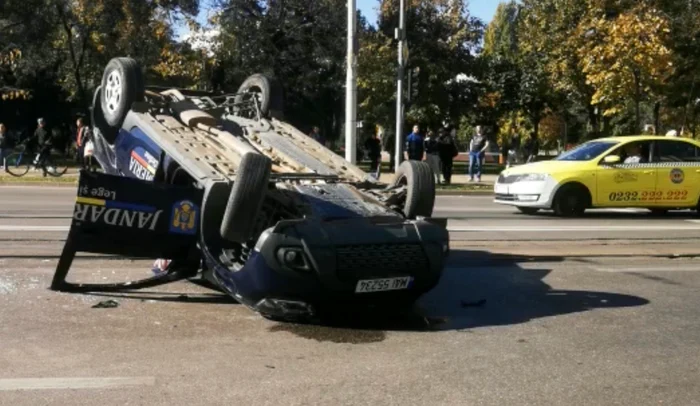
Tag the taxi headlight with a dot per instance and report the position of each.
(532, 177)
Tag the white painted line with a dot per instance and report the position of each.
(475, 209)
(669, 268)
(601, 228)
(41, 187)
(73, 383)
(33, 228)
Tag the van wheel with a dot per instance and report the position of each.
(246, 198)
(122, 85)
(269, 93)
(571, 201)
(420, 188)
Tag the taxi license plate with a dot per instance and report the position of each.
(382, 285)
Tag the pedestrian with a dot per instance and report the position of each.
(4, 145)
(532, 148)
(316, 134)
(432, 154)
(42, 143)
(80, 140)
(414, 145)
(477, 152)
(87, 141)
(447, 150)
(513, 148)
(374, 152)
(389, 144)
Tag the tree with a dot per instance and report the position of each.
(443, 40)
(627, 59)
(516, 75)
(549, 30)
(297, 41)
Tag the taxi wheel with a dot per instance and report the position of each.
(571, 201)
(528, 210)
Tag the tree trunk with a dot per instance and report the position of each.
(76, 61)
(606, 126)
(593, 121)
(637, 102)
(657, 120)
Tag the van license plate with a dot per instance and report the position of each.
(381, 285)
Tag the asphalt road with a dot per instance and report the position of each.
(530, 311)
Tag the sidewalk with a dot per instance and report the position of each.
(459, 179)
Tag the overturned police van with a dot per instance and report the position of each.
(224, 188)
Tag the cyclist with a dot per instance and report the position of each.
(42, 141)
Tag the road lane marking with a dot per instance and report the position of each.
(73, 383)
(601, 228)
(669, 268)
(33, 228)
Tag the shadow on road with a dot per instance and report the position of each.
(512, 295)
(476, 290)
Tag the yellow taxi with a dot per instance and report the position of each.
(652, 172)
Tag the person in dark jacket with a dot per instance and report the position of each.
(42, 143)
(374, 151)
(430, 145)
(4, 145)
(414, 145)
(532, 148)
(447, 150)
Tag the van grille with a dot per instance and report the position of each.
(379, 260)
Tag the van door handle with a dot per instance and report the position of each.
(651, 172)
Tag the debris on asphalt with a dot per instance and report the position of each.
(106, 304)
(478, 303)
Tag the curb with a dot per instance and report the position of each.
(438, 192)
(40, 184)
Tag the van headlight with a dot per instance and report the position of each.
(263, 237)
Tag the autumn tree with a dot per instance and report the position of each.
(626, 58)
(443, 40)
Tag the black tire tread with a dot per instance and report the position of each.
(246, 198)
(560, 197)
(272, 103)
(420, 195)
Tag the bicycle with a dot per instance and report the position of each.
(19, 162)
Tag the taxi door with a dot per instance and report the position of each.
(627, 185)
(678, 178)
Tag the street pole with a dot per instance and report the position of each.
(401, 36)
(351, 87)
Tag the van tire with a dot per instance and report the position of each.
(420, 188)
(246, 198)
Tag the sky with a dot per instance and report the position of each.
(483, 9)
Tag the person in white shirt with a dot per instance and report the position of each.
(634, 154)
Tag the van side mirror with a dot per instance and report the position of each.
(611, 159)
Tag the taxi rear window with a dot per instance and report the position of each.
(587, 151)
